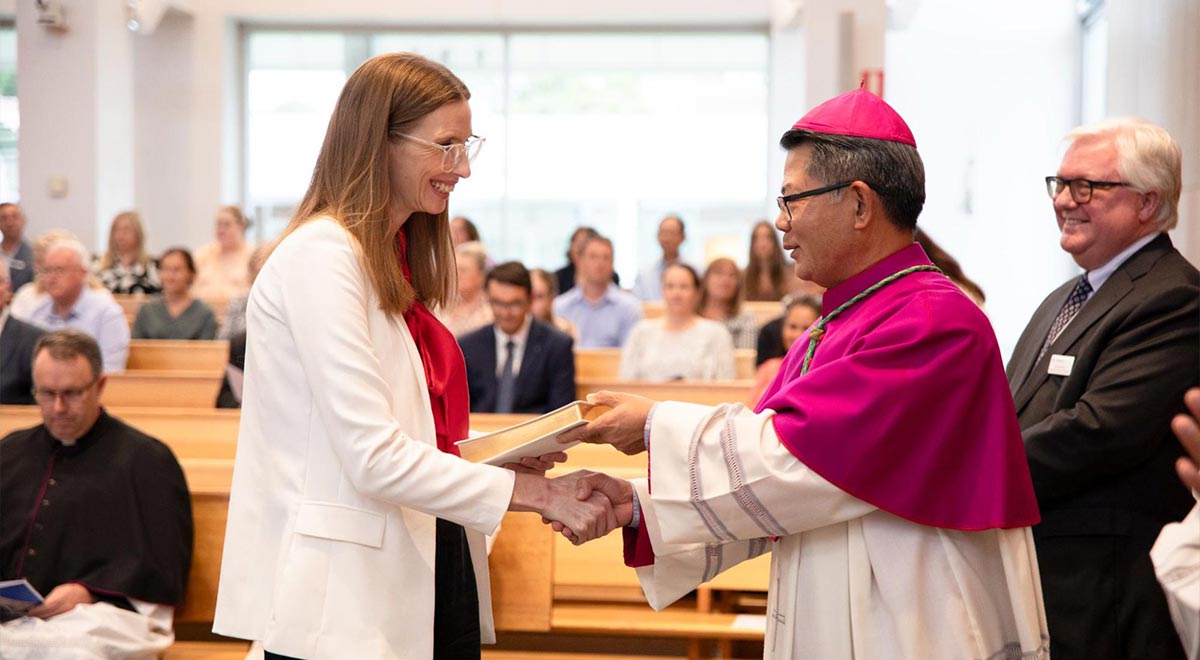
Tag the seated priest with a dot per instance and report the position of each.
(96, 516)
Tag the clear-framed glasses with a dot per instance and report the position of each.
(452, 154)
(784, 200)
(69, 397)
(1081, 189)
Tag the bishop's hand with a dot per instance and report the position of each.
(623, 427)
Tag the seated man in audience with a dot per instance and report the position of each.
(73, 304)
(648, 285)
(517, 364)
(16, 349)
(603, 313)
(14, 249)
(96, 517)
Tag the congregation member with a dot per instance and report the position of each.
(31, 294)
(126, 267)
(230, 394)
(355, 528)
(470, 310)
(518, 364)
(671, 235)
(223, 266)
(71, 303)
(545, 289)
(891, 537)
(14, 249)
(680, 344)
(721, 300)
(176, 314)
(462, 230)
(96, 517)
(950, 266)
(799, 313)
(1176, 553)
(17, 339)
(766, 277)
(566, 275)
(1097, 376)
(234, 321)
(603, 313)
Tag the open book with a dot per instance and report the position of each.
(532, 438)
(17, 597)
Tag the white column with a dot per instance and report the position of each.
(77, 119)
(1154, 72)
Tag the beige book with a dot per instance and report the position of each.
(534, 437)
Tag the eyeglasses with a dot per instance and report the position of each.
(69, 397)
(452, 154)
(784, 200)
(1081, 189)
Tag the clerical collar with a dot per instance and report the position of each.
(84, 441)
(913, 255)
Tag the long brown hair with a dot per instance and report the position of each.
(351, 183)
(774, 267)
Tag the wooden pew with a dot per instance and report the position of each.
(708, 393)
(169, 355)
(593, 363)
(191, 389)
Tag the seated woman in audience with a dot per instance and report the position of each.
(462, 230)
(126, 267)
(235, 314)
(176, 315)
(545, 288)
(470, 309)
(223, 267)
(33, 294)
(679, 345)
(766, 271)
(950, 267)
(721, 300)
(801, 312)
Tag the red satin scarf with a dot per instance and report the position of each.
(445, 370)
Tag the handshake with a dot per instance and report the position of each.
(586, 505)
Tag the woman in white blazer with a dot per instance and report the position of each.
(353, 531)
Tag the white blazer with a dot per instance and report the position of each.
(329, 549)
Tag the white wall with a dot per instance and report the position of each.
(989, 93)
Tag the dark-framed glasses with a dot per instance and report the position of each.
(452, 154)
(69, 397)
(1081, 189)
(784, 200)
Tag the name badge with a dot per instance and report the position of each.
(1060, 365)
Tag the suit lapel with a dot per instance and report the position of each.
(8, 344)
(1024, 356)
(1118, 285)
(530, 361)
(491, 384)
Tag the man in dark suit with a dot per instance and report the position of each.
(1096, 377)
(17, 339)
(518, 364)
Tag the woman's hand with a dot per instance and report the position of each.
(623, 427)
(538, 465)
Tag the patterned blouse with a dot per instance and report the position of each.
(136, 278)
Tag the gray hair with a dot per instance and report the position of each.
(73, 245)
(1148, 159)
(893, 170)
(473, 250)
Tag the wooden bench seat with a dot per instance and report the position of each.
(676, 621)
(169, 355)
(156, 388)
(592, 363)
(188, 650)
(708, 393)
